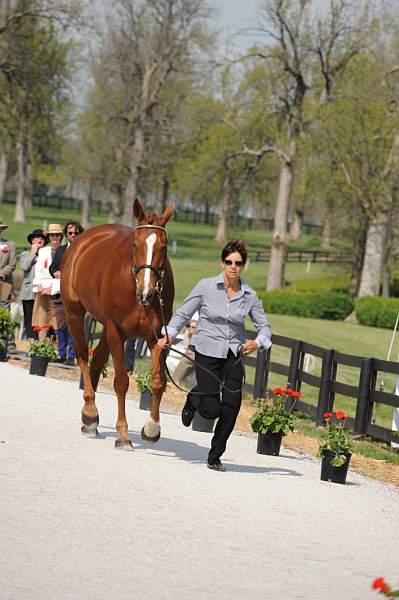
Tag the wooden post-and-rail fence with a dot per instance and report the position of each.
(364, 394)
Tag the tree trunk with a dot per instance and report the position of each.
(325, 243)
(165, 191)
(359, 245)
(19, 216)
(221, 231)
(134, 174)
(29, 187)
(275, 277)
(3, 173)
(374, 255)
(85, 210)
(296, 227)
(115, 205)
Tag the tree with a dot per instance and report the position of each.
(147, 44)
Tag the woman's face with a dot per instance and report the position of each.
(232, 265)
(55, 239)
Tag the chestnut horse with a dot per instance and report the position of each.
(123, 278)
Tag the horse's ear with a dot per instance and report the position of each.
(167, 213)
(138, 210)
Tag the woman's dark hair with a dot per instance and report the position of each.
(78, 228)
(236, 246)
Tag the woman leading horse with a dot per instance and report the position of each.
(123, 278)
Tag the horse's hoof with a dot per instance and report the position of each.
(89, 432)
(124, 444)
(152, 440)
(89, 427)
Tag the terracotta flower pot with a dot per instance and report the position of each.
(269, 443)
(334, 474)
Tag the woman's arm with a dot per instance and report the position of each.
(258, 318)
(183, 314)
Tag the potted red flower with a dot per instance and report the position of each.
(271, 421)
(334, 448)
(380, 585)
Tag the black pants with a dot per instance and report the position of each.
(207, 401)
(27, 306)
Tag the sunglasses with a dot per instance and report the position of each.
(238, 263)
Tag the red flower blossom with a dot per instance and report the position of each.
(4, 249)
(296, 394)
(288, 392)
(37, 328)
(328, 415)
(90, 351)
(47, 327)
(278, 390)
(381, 585)
(341, 415)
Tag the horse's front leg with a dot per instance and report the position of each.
(151, 431)
(121, 383)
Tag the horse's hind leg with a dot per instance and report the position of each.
(76, 314)
(100, 357)
(121, 384)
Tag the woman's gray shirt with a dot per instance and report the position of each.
(27, 261)
(221, 321)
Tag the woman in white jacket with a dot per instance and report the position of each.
(43, 310)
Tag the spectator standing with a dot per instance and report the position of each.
(27, 260)
(186, 365)
(43, 309)
(66, 348)
(8, 263)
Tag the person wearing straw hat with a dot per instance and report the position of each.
(8, 263)
(27, 260)
(43, 316)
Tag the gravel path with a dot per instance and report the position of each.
(81, 520)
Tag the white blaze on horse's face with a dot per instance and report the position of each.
(150, 243)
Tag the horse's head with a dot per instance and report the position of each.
(150, 241)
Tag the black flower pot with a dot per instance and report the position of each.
(3, 352)
(201, 424)
(38, 365)
(269, 443)
(145, 400)
(334, 474)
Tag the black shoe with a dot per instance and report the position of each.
(70, 362)
(216, 465)
(60, 359)
(188, 412)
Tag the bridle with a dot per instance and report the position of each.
(159, 273)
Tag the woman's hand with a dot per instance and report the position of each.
(166, 340)
(249, 346)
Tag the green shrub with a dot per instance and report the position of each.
(6, 325)
(377, 312)
(320, 284)
(319, 305)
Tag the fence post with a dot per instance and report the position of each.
(324, 400)
(260, 374)
(294, 364)
(362, 416)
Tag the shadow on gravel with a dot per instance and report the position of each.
(194, 453)
(253, 469)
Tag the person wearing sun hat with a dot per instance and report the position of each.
(8, 262)
(27, 261)
(43, 309)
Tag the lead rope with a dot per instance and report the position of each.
(221, 384)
